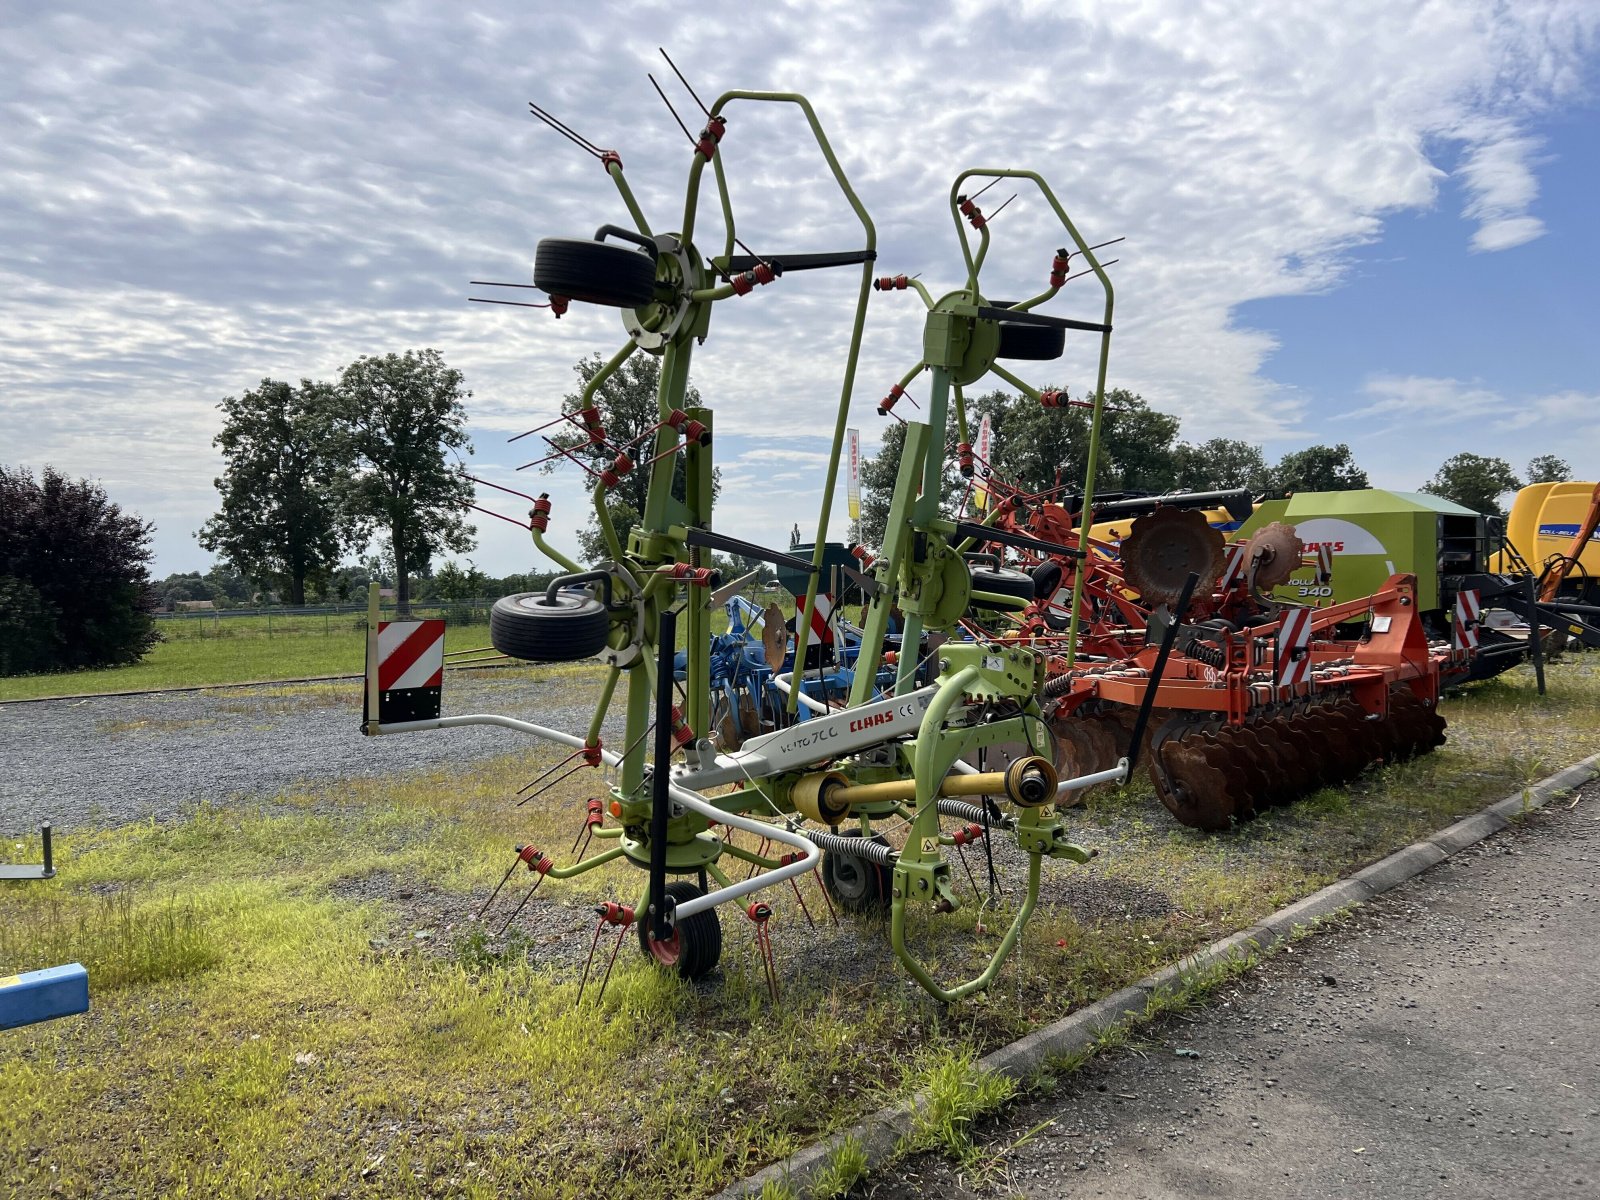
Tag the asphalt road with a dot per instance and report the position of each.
(1441, 1041)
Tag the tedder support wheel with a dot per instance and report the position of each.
(594, 272)
(857, 885)
(1003, 581)
(696, 942)
(1037, 343)
(527, 626)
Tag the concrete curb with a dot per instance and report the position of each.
(880, 1133)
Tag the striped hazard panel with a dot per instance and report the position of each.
(1464, 627)
(1294, 648)
(410, 670)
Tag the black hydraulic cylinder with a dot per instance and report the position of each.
(660, 778)
(1535, 643)
(985, 533)
(1168, 637)
(730, 545)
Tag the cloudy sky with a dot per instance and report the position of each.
(1345, 221)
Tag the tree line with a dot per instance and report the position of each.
(315, 471)
(1040, 449)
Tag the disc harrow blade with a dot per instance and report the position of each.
(1201, 795)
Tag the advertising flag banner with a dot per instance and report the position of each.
(853, 474)
(980, 494)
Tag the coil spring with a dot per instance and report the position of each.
(856, 847)
(1212, 656)
(1058, 685)
(963, 811)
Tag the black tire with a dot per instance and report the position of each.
(1046, 580)
(594, 272)
(857, 885)
(1036, 343)
(695, 947)
(1002, 581)
(524, 626)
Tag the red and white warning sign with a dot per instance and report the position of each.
(1230, 574)
(410, 670)
(821, 618)
(1464, 626)
(1294, 648)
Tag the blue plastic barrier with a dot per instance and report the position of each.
(43, 995)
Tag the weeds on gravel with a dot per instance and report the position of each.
(328, 1053)
(847, 1165)
(958, 1092)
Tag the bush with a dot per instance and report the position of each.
(75, 586)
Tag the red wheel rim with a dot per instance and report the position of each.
(666, 950)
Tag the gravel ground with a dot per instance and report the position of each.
(1439, 1042)
(107, 761)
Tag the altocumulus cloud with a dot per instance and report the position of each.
(193, 196)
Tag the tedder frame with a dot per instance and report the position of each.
(819, 783)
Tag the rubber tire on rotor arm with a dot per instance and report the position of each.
(1034, 343)
(858, 885)
(524, 626)
(594, 272)
(695, 947)
(1003, 582)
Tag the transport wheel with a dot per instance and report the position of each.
(1036, 343)
(857, 885)
(695, 945)
(1002, 582)
(528, 627)
(594, 272)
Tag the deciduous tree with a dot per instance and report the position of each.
(1220, 464)
(628, 409)
(1319, 469)
(279, 523)
(1041, 448)
(75, 587)
(1547, 468)
(399, 419)
(1474, 481)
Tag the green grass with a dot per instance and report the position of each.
(198, 651)
(252, 1033)
(247, 656)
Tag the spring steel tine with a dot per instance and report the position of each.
(961, 853)
(551, 784)
(577, 139)
(621, 933)
(1002, 207)
(537, 428)
(583, 980)
(516, 912)
(490, 512)
(512, 303)
(500, 487)
(801, 900)
(498, 886)
(684, 81)
(1090, 270)
(986, 187)
(671, 110)
(532, 287)
(548, 771)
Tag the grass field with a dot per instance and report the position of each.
(196, 652)
(259, 1030)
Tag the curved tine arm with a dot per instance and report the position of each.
(803, 621)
